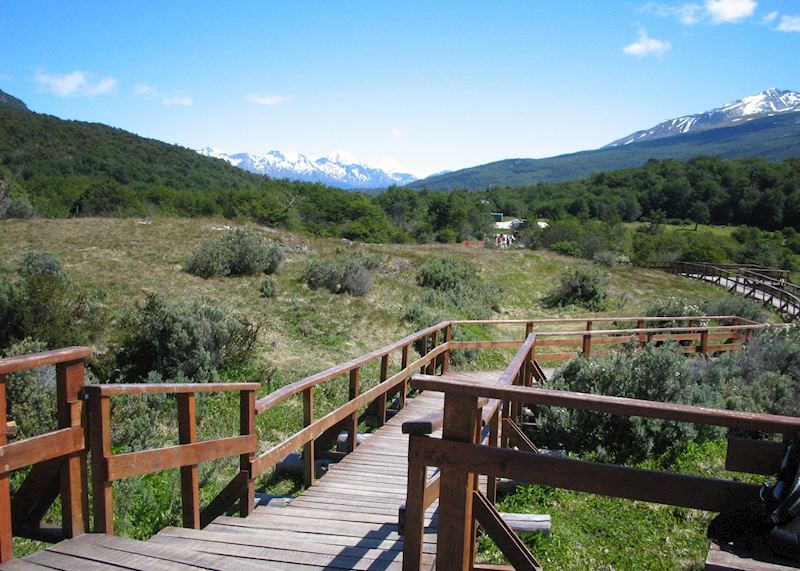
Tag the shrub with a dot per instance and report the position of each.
(268, 287)
(446, 274)
(243, 252)
(344, 274)
(585, 287)
(457, 288)
(648, 374)
(44, 304)
(736, 305)
(606, 258)
(193, 339)
(567, 248)
(19, 208)
(32, 394)
(763, 377)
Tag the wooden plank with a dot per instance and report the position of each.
(289, 559)
(171, 388)
(22, 565)
(99, 554)
(177, 554)
(235, 542)
(582, 476)
(40, 448)
(63, 562)
(34, 360)
(147, 461)
(613, 405)
(760, 559)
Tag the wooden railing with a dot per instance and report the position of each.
(426, 352)
(769, 286)
(108, 467)
(461, 458)
(704, 335)
(58, 457)
(434, 344)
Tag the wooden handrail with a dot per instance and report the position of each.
(170, 388)
(108, 467)
(297, 387)
(612, 405)
(65, 444)
(34, 360)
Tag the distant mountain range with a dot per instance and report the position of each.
(765, 125)
(337, 169)
(766, 103)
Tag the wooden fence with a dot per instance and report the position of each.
(464, 452)
(770, 286)
(59, 458)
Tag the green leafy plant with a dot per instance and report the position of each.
(585, 287)
(242, 252)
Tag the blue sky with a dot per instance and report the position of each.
(421, 85)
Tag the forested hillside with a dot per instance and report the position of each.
(774, 138)
(58, 168)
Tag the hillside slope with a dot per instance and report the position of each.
(773, 138)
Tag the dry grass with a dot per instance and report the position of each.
(304, 331)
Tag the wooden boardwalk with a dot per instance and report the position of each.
(346, 520)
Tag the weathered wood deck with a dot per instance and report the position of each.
(347, 520)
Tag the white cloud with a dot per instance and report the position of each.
(145, 90)
(260, 99)
(397, 133)
(729, 11)
(789, 24)
(74, 83)
(687, 14)
(183, 100)
(647, 46)
(770, 17)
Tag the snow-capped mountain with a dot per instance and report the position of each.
(337, 169)
(766, 103)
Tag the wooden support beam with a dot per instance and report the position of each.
(403, 366)
(308, 449)
(100, 443)
(503, 536)
(414, 514)
(352, 425)
(587, 340)
(448, 337)
(74, 489)
(190, 485)
(431, 369)
(6, 546)
(247, 427)
(456, 538)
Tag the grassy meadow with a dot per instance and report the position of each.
(303, 331)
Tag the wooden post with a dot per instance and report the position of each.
(247, 425)
(704, 343)
(414, 525)
(494, 434)
(100, 440)
(587, 340)
(187, 434)
(6, 537)
(74, 492)
(528, 328)
(456, 535)
(506, 413)
(423, 352)
(642, 337)
(308, 448)
(381, 400)
(431, 368)
(448, 336)
(352, 424)
(404, 385)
